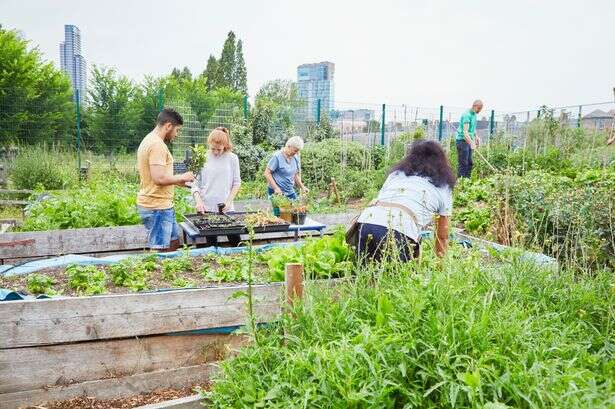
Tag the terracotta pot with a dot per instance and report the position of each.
(286, 215)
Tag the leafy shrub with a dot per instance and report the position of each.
(98, 203)
(251, 160)
(322, 258)
(38, 167)
(321, 161)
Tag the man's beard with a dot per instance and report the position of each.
(167, 137)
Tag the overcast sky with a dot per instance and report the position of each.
(514, 55)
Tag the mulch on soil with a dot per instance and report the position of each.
(134, 401)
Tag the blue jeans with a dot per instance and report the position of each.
(160, 225)
(464, 159)
(291, 195)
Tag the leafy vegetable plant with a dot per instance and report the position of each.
(88, 280)
(40, 284)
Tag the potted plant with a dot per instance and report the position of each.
(282, 207)
(299, 212)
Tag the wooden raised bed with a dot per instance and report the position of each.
(119, 345)
(25, 246)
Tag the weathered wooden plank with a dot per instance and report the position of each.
(23, 369)
(113, 388)
(189, 402)
(16, 191)
(72, 241)
(9, 202)
(30, 245)
(52, 321)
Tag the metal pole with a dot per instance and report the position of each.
(318, 112)
(440, 123)
(352, 137)
(492, 123)
(405, 119)
(382, 125)
(245, 107)
(160, 100)
(579, 117)
(78, 101)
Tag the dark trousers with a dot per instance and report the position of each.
(464, 159)
(372, 242)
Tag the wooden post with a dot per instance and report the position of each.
(336, 192)
(294, 282)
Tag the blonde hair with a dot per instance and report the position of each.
(221, 136)
(294, 142)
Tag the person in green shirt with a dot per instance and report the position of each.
(467, 140)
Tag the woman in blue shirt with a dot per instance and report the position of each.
(283, 171)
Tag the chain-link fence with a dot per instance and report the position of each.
(108, 135)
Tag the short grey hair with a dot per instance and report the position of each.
(294, 142)
(477, 103)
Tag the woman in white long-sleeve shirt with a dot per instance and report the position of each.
(219, 180)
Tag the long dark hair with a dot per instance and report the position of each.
(427, 159)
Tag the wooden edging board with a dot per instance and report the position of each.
(60, 320)
(32, 245)
(189, 402)
(114, 387)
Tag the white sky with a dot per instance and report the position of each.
(513, 55)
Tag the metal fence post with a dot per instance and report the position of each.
(245, 107)
(440, 123)
(579, 117)
(160, 100)
(382, 124)
(78, 107)
(492, 123)
(318, 111)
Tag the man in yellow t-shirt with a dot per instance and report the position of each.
(155, 197)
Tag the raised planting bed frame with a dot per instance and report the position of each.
(112, 346)
(25, 246)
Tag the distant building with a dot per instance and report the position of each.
(357, 114)
(315, 82)
(71, 60)
(599, 120)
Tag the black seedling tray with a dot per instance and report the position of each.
(215, 224)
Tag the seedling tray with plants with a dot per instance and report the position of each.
(215, 224)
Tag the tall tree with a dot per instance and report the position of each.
(226, 66)
(241, 73)
(35, 98)
(211, 73)
(112, 112)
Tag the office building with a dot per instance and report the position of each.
(315, 82)
(72, 61)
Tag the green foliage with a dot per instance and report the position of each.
(211, 73)
(197, 159)
(463, 333)
(234, 269)
(39, 167)
(172, 266)
(40, 284)
(112, 112)
(227, 63)
(274, 113)
(35, 98)
(98, 203)
(88, 280)
(241, 72)
(326, 257)
(131, 273)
